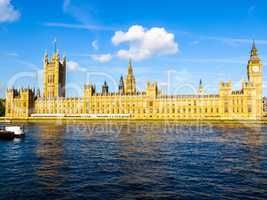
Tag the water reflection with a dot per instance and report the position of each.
(247, 134)
(50, 153)
(255, 136)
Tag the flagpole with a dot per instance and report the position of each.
(55, 44)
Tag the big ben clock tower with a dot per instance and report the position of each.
(254, 70)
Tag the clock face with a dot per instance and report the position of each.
(256, 69)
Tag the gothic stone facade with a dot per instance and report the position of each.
(246, 103)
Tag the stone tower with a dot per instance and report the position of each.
(255, 76)
(19, 103)
(129, 82)
(89, 91)
(152, 89)
(54, 76)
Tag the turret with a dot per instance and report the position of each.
(45, 58)
(89, 90)
(56, 56)
(226, 88)
(121, 86)
(200, 88)
(152, 89)
(105, 88)
(248, 89)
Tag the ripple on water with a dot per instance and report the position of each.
(135, 160)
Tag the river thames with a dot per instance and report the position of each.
(135, 160)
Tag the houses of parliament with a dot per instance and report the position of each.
(128, 103)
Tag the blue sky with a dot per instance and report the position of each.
(174, 42)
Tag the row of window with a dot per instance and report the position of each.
(182, 110)
(55, 111)
(151, 103)
(238, 110)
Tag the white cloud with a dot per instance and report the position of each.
(144, 43)
(72, 66)
(89, 27)
(95, 45)
(103, 58)
(7, 12)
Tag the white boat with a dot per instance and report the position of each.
(17, 130)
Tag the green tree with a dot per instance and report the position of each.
(2, 107)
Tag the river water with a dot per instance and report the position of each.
(135, 160)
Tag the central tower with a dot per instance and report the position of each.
(130, 87)
(54, 76)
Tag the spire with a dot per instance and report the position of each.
(253, 44)
(254, 52)
(130, 68)
(121, 85)
(46, 56)
(105, 88)
(130, 87)
(200, 88)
